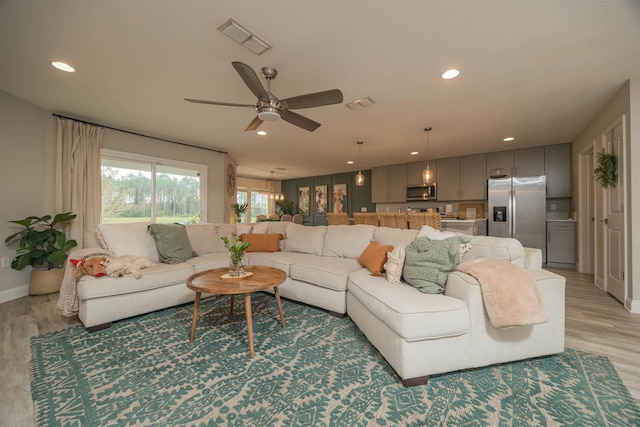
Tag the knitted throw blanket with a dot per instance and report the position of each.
(68, 300)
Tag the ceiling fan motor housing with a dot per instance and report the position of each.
(269, 110)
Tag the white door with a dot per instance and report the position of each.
(614, 217)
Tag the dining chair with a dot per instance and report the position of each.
(393, 219)
(369, 218)
(337, 218)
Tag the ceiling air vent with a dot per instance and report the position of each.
(245, 37)
(360, 103)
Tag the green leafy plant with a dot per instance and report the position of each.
(239, 209)
(42, 244)
(605, 173)
(284, 207)
(236, 247)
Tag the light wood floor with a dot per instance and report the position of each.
(595, 323)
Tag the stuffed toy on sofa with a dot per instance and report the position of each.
(89, 266)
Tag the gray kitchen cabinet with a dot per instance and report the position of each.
(462, 178)
(529, 161)
(473, 180)
(502, 160)
(561, 243)
(557, 160)
(414, 172)
(389, 184)
(448, 179)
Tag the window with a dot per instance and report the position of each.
(141, 188)
(260, 203)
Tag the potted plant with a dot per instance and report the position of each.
(45, 248)
(239, 209)
(284, 207)
(236, 254)
(605, 173)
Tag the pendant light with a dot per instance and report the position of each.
(427, 174)
(359, 176)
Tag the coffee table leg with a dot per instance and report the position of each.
(196, 308)
(247, 307)
(277, 294)
(231, 305)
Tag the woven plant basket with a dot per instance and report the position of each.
(46, 281)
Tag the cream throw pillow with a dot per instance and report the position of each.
(395, 263)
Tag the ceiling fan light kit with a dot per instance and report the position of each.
(270, 108)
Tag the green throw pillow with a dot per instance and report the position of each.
(427, 262)
(172, 242)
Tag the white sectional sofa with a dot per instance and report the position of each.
(418, 334)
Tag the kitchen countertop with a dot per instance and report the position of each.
(561, 220)
(463, 220)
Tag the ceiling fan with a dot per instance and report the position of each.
(270, 108)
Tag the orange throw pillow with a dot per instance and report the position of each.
(374, 256)
(262, 242)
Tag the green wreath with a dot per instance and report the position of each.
(605, 173)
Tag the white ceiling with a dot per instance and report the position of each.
(538, 70)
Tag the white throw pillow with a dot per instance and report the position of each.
(129, 239)
(395, 263)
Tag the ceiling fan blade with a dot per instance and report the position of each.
(228, 104)
(250, 78)
(300, 121)
(255, 123)
(328, 97)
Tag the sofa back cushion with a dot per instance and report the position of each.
(203, 238)
(307, 240)
(394, 236)
(496, 247)
(129, 239)
(224, 230)
(347, 241)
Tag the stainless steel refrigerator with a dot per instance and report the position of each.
(517, 209)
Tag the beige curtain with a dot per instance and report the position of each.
(77, 183)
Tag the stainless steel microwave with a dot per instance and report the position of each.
(424, 192)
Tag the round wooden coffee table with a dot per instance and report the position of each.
(211, 282)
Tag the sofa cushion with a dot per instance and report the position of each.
(129, 239)
(172, 243)
(157, 276)
(203, 238)
(307, 240)
(260, 228)
(496, 247)
(243, 228)
(394, 236)
(347, 241)
(209, 261)
(411, 314)
(262, 242)
(327, 272)
(374, 257)
(281, 260)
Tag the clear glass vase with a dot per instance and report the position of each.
(236, 269)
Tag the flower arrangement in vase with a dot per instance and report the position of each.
(236, 249)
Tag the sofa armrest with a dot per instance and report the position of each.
(532, 258)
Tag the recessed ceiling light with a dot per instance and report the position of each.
(450, 74)
(63, 66)
(350, 162)
(261, 132)
(413, 153)
(509, 139)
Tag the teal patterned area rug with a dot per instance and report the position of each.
(318, 371)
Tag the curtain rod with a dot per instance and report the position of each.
(140, 134)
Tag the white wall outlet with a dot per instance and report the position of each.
(364, 209)
(6, 261)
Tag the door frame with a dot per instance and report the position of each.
(586, 211)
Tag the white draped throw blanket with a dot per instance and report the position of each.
(68, 300)
(511, 297)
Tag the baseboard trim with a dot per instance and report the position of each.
(14, 293)
(632, 305)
